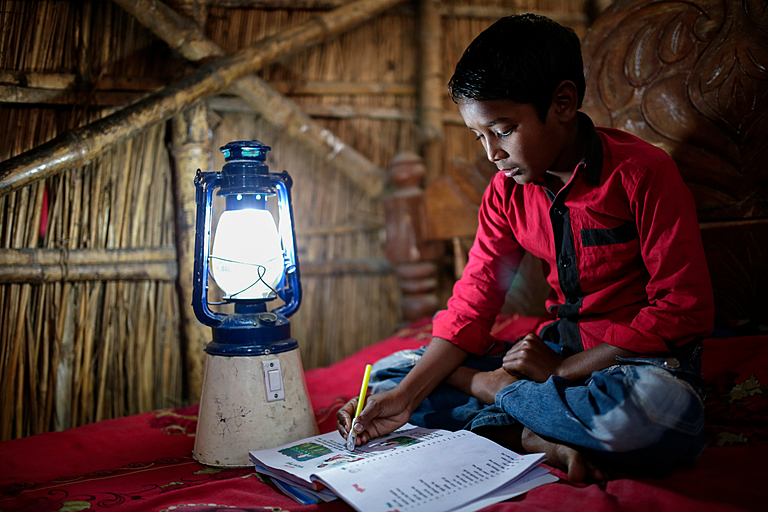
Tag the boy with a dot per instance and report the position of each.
(613, 382)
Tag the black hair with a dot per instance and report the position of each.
(522, 58)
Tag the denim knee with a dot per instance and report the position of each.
(656, 406)
(620, 409)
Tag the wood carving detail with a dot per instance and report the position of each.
(692, 78)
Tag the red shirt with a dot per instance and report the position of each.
(620, 245)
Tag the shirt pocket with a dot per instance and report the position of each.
(609, 254)
(598, 237)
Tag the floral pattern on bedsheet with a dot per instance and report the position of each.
(736, 411)
(74, 493)
(180, 421)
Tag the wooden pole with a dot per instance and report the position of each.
(77, 147)
(15, 94)
(279, 4)
(65, 257)
(432, 87)
(274, 107)
(52, 265)
(237, 105)
(191, 136)
(58, 83)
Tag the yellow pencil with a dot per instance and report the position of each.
(352, 436)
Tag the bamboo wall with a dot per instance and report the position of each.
(83, 346)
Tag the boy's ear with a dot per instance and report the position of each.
(565, 101)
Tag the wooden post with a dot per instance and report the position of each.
(407, 248)
(191, 150)
(77, 147)
(432, 87)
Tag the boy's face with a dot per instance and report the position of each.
(515, 138)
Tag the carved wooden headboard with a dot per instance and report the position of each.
(690, 77)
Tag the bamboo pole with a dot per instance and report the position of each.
(23, 95)
(26, 95)
(33, 342)
(105, 342)
(52, 81)
(191, 149)
(279, 4)
(86, 256)
(52, 265)
(44, 381)
(431, 87)
(19, 356)
(79, 146)
(315, 87)
(71, 81)
(237, 105)
(70, 191)
(186, 38)
(76, 390)
(62, 360)
(145, 268)
(60, 82)
(147, 271)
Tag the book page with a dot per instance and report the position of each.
(534, 478)
(298, 461)
(437, 475)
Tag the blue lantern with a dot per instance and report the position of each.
(254, 395)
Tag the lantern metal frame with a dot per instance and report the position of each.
(251, 330)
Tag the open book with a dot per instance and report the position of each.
(411, 469)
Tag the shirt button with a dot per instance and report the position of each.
(672, 362)
(558, 211)
(565, 262)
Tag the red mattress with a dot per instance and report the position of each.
(144, 463)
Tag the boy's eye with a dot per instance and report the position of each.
(506, 133)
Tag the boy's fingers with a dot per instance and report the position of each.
(344, 417)
(368, 413)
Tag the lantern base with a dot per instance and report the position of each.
(251, 403)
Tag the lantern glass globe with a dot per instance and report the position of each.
(247, 256)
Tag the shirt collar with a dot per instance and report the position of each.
(592, 163)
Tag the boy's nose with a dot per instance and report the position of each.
(495, 152)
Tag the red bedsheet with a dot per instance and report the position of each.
(143, 462)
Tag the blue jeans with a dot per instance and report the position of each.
(643, 414)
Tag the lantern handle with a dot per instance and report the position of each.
(291, 294)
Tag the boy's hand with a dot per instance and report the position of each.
(533, 359)
(383, 413)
